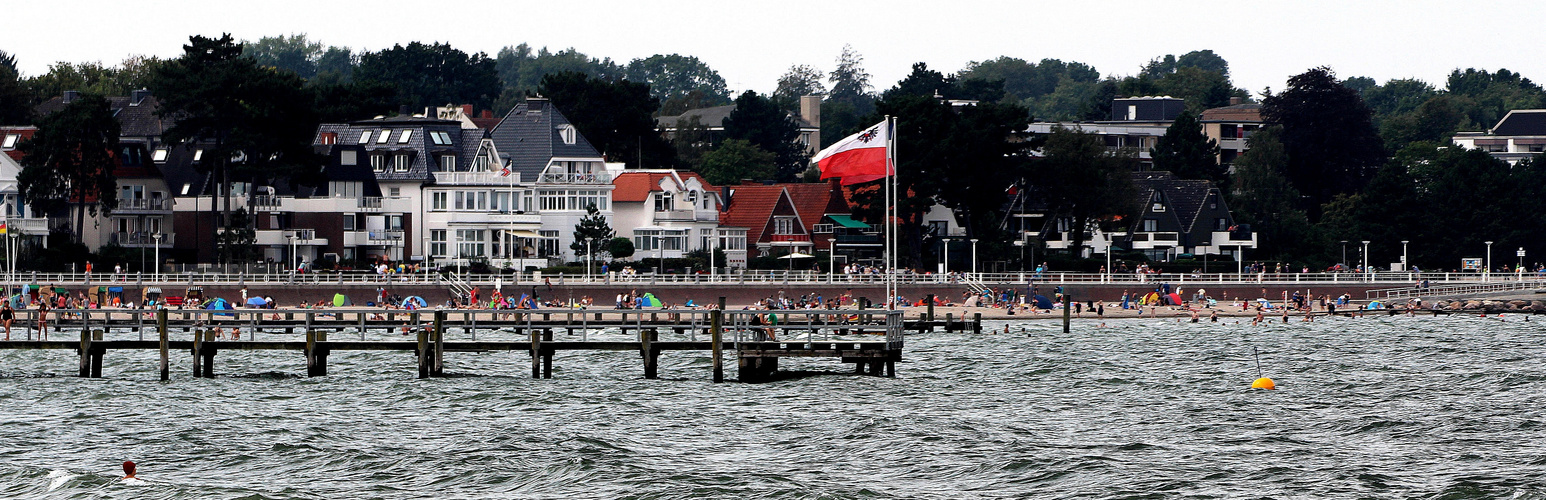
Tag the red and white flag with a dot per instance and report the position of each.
(857, 158)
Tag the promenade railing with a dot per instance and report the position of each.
(753, 278)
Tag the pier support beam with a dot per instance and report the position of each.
(316, 353)
(166, 365)
(547, 354)
(536, 353)
(647, 338)
(716, 340)
(757, 369)
(198, 348)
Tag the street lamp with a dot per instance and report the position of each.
(157, 263)
(1366, 257)
(1487, 273)
(831, 259)
(427, 258)
(974, 255)
(946, 264)
(1521, 254)
(1405, 266)
(590, 256)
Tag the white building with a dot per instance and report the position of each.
(668, 214)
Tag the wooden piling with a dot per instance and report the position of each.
(166, 365)
(931, 308)
(647, 338)
(198, 347)
(976, 323)
(1068, 310)
(536, 353)
(437, 368)
(547, 354)
(423, 351)
(85, 352)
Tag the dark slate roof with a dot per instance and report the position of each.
(180, 169)
(714, 117)
(1184, 198)
(135, 119)
(1522, 122)
(529, 135)
(418, 145)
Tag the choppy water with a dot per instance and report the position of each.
(1371, 408)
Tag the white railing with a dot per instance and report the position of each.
(389, 235)
(766, 278)
(141, 239)
(1428, 290)
(491, 178)
(144, 204)
(576, 178)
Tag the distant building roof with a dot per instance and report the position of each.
(531, 134)
(714, 117)
(1521, 122)
(1185, 197)
(751, 206)
(136, 114)
(1235, 113)
(636, 186)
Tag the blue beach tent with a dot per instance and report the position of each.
(416, 301)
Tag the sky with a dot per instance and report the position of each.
(752, 43)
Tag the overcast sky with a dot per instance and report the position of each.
(751, 43)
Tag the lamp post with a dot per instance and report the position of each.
(590, 256)
(831, 259)
(427, 259)
(1240, 258)
(1521, 254)
(290, 236)
(946, 264)
(1344, 253)
(1366, 258)
(974, 255)
(1405, 266)
(157, 263)
(713, 245)
(1107, 277)
(1487, 273)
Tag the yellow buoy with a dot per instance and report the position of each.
(1263, 383)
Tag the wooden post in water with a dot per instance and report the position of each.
(647, 339)
(198, 348)
(166, 365)
(96, 355)
(437, 368)
(547, 354)
(536, 353)
(976, 322)
(931, 308)
(716, 339)
(423, 350)
(209, 354)
(1068, 309)
(85, 351)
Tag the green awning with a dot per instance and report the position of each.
(847, 221)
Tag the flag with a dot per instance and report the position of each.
(857, 158)
(504, 172)
(3, 228)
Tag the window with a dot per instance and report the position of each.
(470, 243)
(1228, 131)
(345, 189)
(395, 192)
(1150, 225)
(365, 137)
(440, 138)
(198, 155)
(1213, 200)
(378, 163)
(10, 141)
(1221, 224)
(348, 157)
(1132, 111)
(1156, 203)
(548, 245)
(437, 200)
(131, 156)
(159, 156)
(400, 162)
(328, 138)
(403, 137)
(784, 225)
(349, 222)
(567, 133)
(186, 187)
(447, 163)
(663, 201)
(382, 139)
(822, 228)
(395, 222)
(437, 243)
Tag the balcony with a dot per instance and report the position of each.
(794, 239)
(385, 237)
(476, 178)
(369, 204)
(27, 226)
(576, 178)
(144, 240)
(686, 215)
(267, 202)
(303, 237)
(142, 205)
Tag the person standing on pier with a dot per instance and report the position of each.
(42, 320)
(7, 315)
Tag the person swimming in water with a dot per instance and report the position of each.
(128, 471)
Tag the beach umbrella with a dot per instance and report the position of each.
(256, 302)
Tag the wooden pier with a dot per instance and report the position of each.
(756, 339)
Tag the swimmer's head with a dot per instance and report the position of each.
(128, 468)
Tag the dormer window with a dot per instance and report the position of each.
(568, 134)
(663, 202)
(198, 155)
(378, 163)
(382, 139)
(365, 137)
(10, 141)
(1156, 203)
(447, 163)
(403, 138)
(400, 162)
(159, 156)
(440, 138)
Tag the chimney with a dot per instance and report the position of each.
(487, 113)
(138, 96)
(810, 109)
(71, 95)
(402, 110)
(1236, 101)
(467, 110)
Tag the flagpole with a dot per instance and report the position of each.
(891, 218)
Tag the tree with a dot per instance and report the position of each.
(71, 159)
(1185, 151)
(692, 140)
(1262, 196)
(433, 75)
(695, 99)
(758, 120)
(850, 102)
(675, 75)
(336, 64)
(237, 109)
(348, 101)
(15, 100)
(1329, 136)
(737, 159)
(800, 80)
(1204, 60)
(1435, 120)
(522, 69)
(616, 116)
(1081, 180)
(593, 228)
(94, 78)
(1201, 89)
(620, 248)
(294, 53)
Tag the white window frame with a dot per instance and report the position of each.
(378, 163)
(384, 137)
(365, 137)
(10, 141)
(438, 200)
(403, 137)
(401, 162)
(159, 155)
(447, 163)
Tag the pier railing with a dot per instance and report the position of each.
(755, 278)
(1455, 289)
